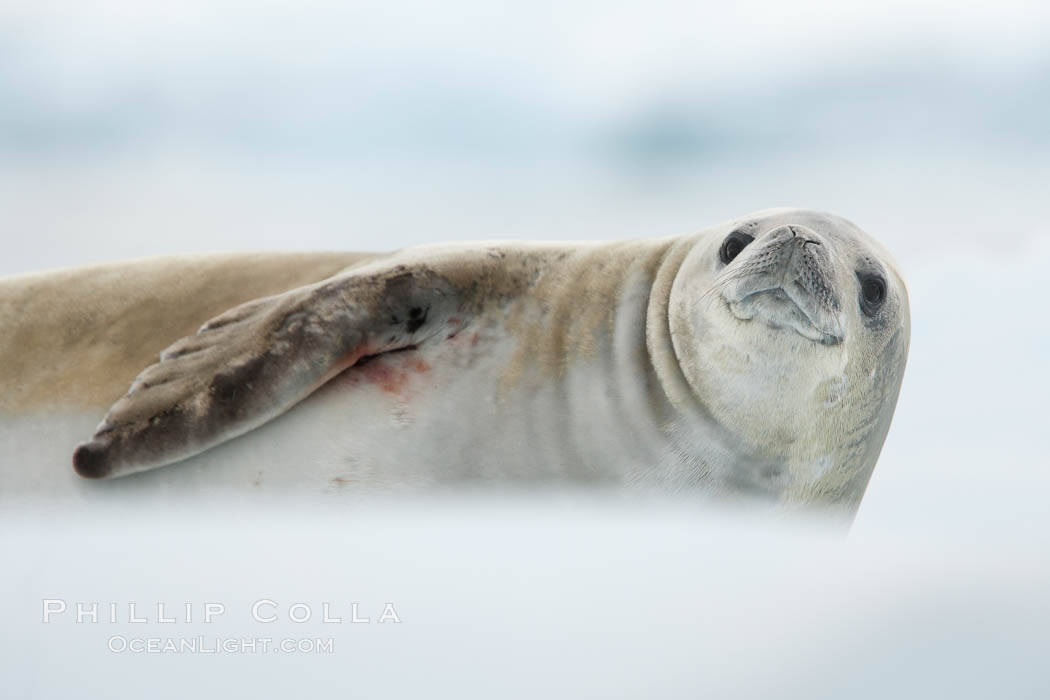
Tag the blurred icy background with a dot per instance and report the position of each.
(131, 129)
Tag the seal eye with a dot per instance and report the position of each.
(732, 245)
(872, 292)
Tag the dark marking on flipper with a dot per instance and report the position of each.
(416, 318)
(90, 460)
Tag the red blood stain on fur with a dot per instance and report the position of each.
(392, 373)
(456, 324)
(348, 360)
(380, 373)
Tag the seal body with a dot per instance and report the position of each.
(759, 358)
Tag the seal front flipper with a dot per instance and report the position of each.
(255, 361)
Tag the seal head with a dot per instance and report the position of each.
(792, 329)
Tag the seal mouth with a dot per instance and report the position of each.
(786, 278)
(780, 308)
